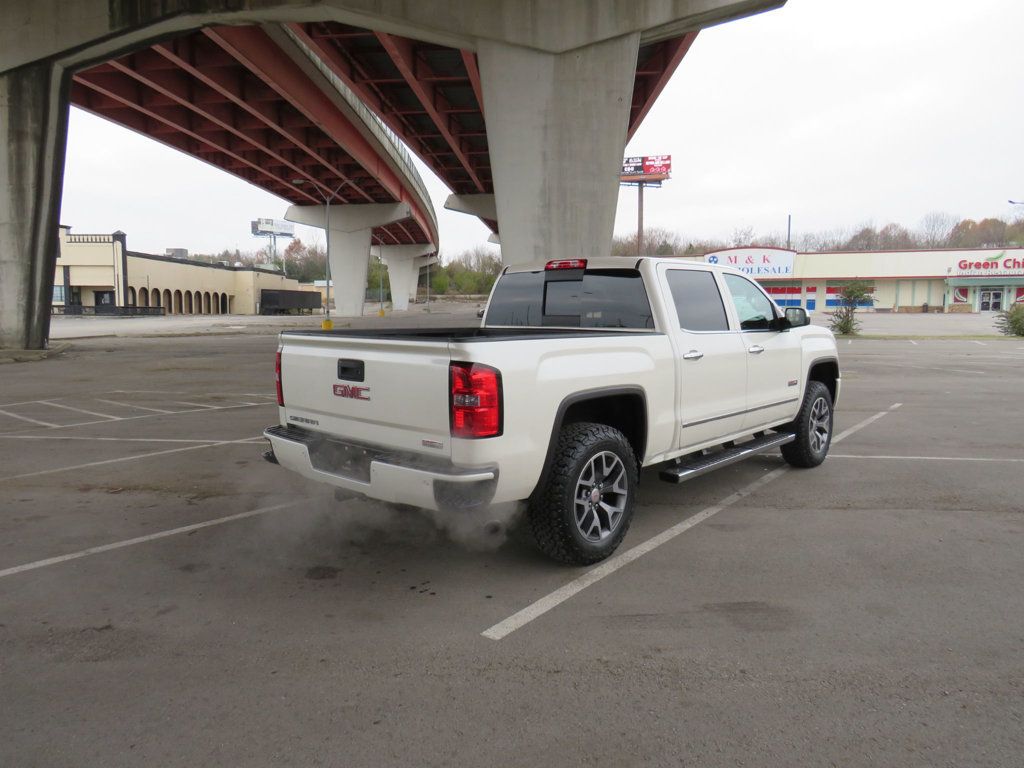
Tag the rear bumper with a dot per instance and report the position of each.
(380, 474)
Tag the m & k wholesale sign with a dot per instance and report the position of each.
(756, 262)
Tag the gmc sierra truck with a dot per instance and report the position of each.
(581, 373)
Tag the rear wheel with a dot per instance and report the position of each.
(812, 427)
(582, 512)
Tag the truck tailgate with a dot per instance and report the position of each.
(378, 391)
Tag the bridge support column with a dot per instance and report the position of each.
(556, 128)
(349, 250)
(403, 269)
(33, 136)
(350, 263)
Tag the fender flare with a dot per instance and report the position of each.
(582, 397)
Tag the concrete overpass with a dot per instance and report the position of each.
(556, 83)
(259, 104)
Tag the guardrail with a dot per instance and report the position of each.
(388, 138)
(78, 310)
(90, 238)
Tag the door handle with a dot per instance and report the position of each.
(693, 354)
(757, 349)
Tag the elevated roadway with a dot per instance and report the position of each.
(522, 108)
(254, 102)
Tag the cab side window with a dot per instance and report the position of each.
(753, 308)
(698, 302)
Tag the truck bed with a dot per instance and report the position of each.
(470, 334)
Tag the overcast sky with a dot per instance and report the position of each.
(841, 112)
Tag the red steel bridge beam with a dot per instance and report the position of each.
(417, 76)
(262, 57)
(651, 80)
(181, 53)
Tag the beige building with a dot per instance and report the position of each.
(951, 280)
(99, 271)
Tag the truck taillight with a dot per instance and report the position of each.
(475, 400)
(277, 378)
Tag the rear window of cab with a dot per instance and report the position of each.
(592, 298)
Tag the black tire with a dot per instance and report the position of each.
(584, 449)
(812, 427)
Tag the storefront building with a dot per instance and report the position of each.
(952, 280)
(99, 273)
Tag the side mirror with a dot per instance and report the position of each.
(480, 313)
(797, 317)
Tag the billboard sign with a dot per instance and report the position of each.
(756, 262)
(646, 168)
(276, 227)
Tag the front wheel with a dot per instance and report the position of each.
(582, 511)
(812, 427)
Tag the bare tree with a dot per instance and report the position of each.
(658, 241)
(742, 236)
(895, 237)
(935, 229)
(770, 240)
(864, 239)
(823, 242)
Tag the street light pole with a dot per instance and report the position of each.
(380, 289)
(327, 323)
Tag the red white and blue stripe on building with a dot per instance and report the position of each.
(790, 296)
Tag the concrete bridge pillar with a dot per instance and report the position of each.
(556, 129)
(349, 245)
(33, 136)
(403, 269)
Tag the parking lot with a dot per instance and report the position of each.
(168, 598)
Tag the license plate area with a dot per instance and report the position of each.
(344, 459)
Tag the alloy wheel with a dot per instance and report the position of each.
(820, 425)
(601, 495)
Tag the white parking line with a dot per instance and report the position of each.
(112, 439)
(196, 405)
(143, 416)
(912, 342)
(867, 422)
(142, 539)
(132, 405)
(518, 620)
(122, 459)
(934, 368)
(979, 343)
(26, 418)
(927, 458)
(80, 410)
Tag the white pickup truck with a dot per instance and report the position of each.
(581, 373)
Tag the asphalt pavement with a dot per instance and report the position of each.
(168, 598)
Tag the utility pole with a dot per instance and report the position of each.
(789, 231)
(640, 219)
